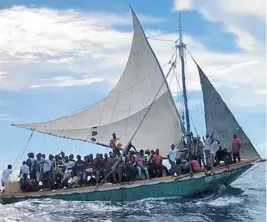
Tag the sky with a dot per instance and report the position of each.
(57, 57)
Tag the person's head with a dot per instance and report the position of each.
(147, 152)
(56, 157)
(207, 135)
(157, 151)
(220, 147)
(62, 154)
(50, 157)
(78, 157)
(131, 153)
(114, 135)
(106, 156)
(24, 162)
(152, 152)
(141, 152)
(172, 146)
(91, 156)
(38, 156)
(234, 136)
(66, 159)
(110, 153)
(71, 156)
(194, 139)
(101, 155)
(9, 167)
(43, 155)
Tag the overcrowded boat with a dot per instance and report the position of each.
(140, 123)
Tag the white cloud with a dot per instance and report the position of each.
(6, 117)
(74, 48)
(65, 81)
(245, 70)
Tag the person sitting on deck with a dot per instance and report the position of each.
(5, 174)
(99, 166)
(228, 157)
(159, 168)
(195, 166)
(115, 144)
(73, 182)
(141, 166)
(89, 170)
(236, 146)
(130, 169)
(119, 169)
(213, 150)
(80, 170)
(24, 172)
(220, 155)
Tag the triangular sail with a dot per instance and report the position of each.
(122, 110)
(221, 121)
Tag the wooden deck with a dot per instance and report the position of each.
(110, 185)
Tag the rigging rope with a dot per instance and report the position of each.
(152, 36)
(140, 124)
(23, 151)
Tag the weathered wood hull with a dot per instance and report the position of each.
(159, 187)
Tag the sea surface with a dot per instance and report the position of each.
(244, 200)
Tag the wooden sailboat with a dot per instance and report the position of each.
(141, 110)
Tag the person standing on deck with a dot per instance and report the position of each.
(39, 169)
(172, 153)
(5, 174)
(115, 144)
(200, 154)
(236, 145)
(207, 150)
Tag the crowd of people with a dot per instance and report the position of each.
(59, 171)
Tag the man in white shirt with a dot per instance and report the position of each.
(5, 174)
(207, 149)
(47, 173)
(24, 170)
(172, 154)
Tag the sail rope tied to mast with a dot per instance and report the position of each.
(128, 146)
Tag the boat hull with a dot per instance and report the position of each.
(162, 187)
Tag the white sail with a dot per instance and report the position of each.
(122, 110)
(221, 121)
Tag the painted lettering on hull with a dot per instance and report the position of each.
(219, 176)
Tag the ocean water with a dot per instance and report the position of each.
(244, 200)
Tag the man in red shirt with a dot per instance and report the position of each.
(236, 145)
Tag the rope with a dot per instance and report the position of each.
(23, 151)
(140, 124)
(161, 34)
